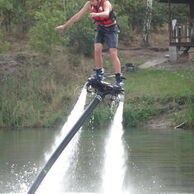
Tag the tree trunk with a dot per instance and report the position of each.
(147, 23)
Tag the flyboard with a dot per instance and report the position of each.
(115, 92)
(100, 89)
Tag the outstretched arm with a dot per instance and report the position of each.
(76, 17)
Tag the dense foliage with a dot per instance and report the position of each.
(4, 45)
(38, 19)
(33, 96)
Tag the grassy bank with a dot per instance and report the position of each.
(149, 92)
(159, 83)
(35, 99)
(42, 93)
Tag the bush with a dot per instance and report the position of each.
(4, 45)
(79, 36)
(101, 115)
(186, 115)
(125, 30)
(43, 36)
(137, 111)
(35, 101)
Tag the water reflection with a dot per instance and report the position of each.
(159, 161)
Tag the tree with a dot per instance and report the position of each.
(78, 36)
(42, 35)
(6, 11)
(147, 23)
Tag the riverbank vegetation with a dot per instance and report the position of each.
(149, 93)
(40, 92)
(40, 86)
(37, 98)
(154, 91)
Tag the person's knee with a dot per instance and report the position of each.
(98, 49)
(113, 53)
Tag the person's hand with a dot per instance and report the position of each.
(61, 27)
(92, 15)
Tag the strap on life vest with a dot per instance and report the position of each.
(103, 20)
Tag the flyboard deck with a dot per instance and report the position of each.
(97, 86)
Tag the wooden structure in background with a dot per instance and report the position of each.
(181, 34)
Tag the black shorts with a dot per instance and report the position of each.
(108, 34)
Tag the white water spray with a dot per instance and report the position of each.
(114, 164)
(54, 182)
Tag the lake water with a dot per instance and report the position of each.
(153, 160)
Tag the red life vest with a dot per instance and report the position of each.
(103, 20)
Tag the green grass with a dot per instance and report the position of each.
(187, 114)
(158, 84)
(39, 98)
(33, 99)
(145, 89)
(138, 110)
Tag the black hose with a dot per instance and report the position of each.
(65, 142)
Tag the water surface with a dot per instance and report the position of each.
(157, 161)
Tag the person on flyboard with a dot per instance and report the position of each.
(107, 30)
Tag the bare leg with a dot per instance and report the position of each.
(98, 55)
(115, 60)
